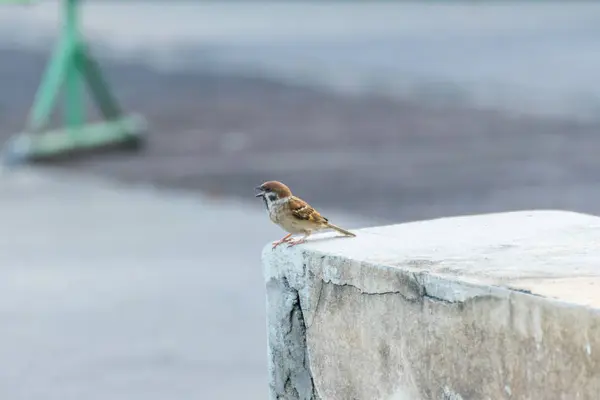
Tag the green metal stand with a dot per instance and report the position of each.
(70, 65)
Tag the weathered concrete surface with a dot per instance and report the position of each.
(495, 306)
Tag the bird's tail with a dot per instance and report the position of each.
(340, 230)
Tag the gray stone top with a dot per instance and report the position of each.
(555, 254)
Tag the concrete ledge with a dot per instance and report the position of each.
(494, 306)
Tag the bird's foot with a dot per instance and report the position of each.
(292, 243)
(277, 243)
(281, 241)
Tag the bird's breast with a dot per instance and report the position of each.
(276, 213)
(280, 214)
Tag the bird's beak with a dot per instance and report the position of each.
(260, 191)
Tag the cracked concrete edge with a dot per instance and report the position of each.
(307, 269)
(295, 278)
(289, 367)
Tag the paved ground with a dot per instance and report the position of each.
(219, 127)
(522, 56)
(129, 293)
(373, 156)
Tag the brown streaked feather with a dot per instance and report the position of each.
(302, 210)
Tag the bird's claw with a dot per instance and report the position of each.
(289, 241)
(284, 240)
(292, 243)
(277, 243)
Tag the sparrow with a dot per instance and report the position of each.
(293, 214)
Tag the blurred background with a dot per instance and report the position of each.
(137, 275)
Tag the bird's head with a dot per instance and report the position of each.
(273, 190)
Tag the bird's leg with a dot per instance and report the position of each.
(284, 239)
(292, 243)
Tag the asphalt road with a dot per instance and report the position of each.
(374, 156)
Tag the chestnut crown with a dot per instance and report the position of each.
(281, 190)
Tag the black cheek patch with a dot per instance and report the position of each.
(272, 196)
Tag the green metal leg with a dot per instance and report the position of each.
(74, 100)
(99, 89)
(74, 96)
(53, 78)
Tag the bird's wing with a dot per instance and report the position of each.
(302, 210)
